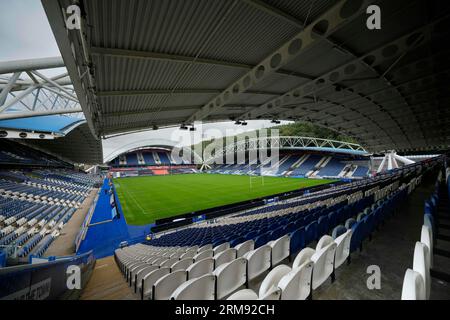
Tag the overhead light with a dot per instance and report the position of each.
(243, 123)
(192, 128)
(275, 121)
(238, 122)
(155, 127)
(183, 127)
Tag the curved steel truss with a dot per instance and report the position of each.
(25, 91)
(288, 142)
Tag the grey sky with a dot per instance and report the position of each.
(24, 31)
(25, 34)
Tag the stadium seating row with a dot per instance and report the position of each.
(35, 205)
(417, 280)
(301, 165)
(216, 269)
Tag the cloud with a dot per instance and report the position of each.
(24, 31)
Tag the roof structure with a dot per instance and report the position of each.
(136, 64)
(53, 123)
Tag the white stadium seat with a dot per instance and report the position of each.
(230, 276)
(272, 294)
(149, 279)
(272, 279)
(141, 274)
(166, 285)
(323, 260)
(169, 262)
(224, 257)
(426, 237)
(342, 248)
(296, 285)
(280, 249)
(244, 294)
(302, 257)
(200, 268)
(201, 288)
(208, 253)
(244, 247)
(258, 261)
(181, 264)
(413, 286)
(134, 271)
(205, 247)
(420, 265)
(221, 247)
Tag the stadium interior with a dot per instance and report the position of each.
(348, 188)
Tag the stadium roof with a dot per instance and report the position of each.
(65, 136)
(77, 145)
(165, 62)
(55, 124)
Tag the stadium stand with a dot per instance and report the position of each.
(243, 246)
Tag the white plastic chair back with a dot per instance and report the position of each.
(280, 249)
(258, 261)
(413, 286)
(200, 268)
(244, 294)
(272, 279)
(181, 264)
(296, 285)
(342, 248)
(244, 247)
(230, 276)
(303, 256)
(221, 247)
(323, 264)
(166, 285)
(201, 288)
(208, 253)
(426, 237)
(420, 265)
(149, 280)
(224, 257)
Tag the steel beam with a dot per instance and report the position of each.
(31, 64)
(285, 54)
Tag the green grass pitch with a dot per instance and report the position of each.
(146, 199)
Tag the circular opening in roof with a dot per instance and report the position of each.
(259, 72)
(23, 135)
(236, 88)
(278, 102)
(369, 60)
(275, 60)
(226, 95)
(269, 106)
(319, 29)
(350, 8)
(296, 94)
(246, 81)
(218, 101)
(389, 50)
(3, 134)
(295, 46)
(350, 69)
(211, 106)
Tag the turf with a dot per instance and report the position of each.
(146, 199)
